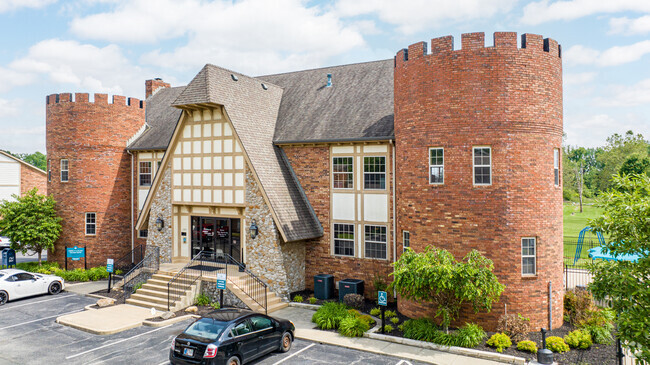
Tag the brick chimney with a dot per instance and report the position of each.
(151, 86)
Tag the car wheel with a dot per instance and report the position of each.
(55, 288)
(234, 360)
(285, 342)
(4, 297)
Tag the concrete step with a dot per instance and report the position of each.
(162, 289)
(158, 293)
(149, 299)
(163, 277)
(277, 306)
(164, 283)
(145, 304)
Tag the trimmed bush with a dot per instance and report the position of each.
(375, 312)
(499, 341)
(329, 315)
(469, 335)
(578, 339)
(388, 328)
(556, 344)
(353, 326)
(390, 314)
(202, 300)
(298, 298)
(514, 325)
(353, 300)
(527, 346)
(394, 320)
(312, 300)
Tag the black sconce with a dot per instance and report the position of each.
(253, 229)
(160, 224)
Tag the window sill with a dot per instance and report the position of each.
(345, 256)
(529, 276)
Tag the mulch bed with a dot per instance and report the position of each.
(115, 293)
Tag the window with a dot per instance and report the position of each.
(556, 166)
(344, 239)
(91, 224)
(241, 328)
(261, 323)
(64, 170)
(374, 173)
(406, 241)
(143, 233)
(528, 247)
(145, 173)
(436, 166)
(375, 241)
(49, 171)
(343, 172)
(482, 166)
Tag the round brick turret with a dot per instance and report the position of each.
(506, 98)
(92, 136)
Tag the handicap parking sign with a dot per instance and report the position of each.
(382, 298)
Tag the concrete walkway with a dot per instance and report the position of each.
(109, 320)
(305, 329)
(86, 287)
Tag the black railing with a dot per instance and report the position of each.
(126, 263)
(577, 254)
(140, 273)
(183, 281)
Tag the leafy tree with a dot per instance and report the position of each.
(635, 165)
(615, 153)
(626, 220)
(36, 159)
(435, 276)
(30, 222)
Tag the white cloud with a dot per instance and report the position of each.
(546, 11)
(628, 95)
(9, 5)
(614, 56)
(11, 78)
(7, 109)
(579, 78)
(629, 26)
(416, 15)
(592, 130)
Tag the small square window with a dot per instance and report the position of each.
(143, 233)
(91, 224)
(528, 256)
(344, 239)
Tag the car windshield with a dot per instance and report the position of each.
(207, 328)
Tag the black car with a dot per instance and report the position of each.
(231, 337)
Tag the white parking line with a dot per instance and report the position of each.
(404, 362)
(40, 319)
(115, 343)
(294, 354)
(40, 301)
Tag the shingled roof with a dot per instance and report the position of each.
(161, 118)
(358, 106)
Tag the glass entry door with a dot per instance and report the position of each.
(216, 236)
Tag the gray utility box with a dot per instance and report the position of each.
(350, 286)
(323, 286)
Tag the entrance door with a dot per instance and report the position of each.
(216, 236)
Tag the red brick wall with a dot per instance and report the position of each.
(32, 178)
(311, 165)
(511, 100)
(150, 86)
(92, 136)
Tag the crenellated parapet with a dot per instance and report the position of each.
(100, 99)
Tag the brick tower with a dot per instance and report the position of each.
(508, 101)
(92, 137)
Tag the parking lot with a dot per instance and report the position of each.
(29, 335)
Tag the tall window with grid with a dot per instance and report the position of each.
(64, 170)
(344, 239)
(343, 172)
(406, 239)
(145, 173)
(436, 165)
(91, 224)
(375, 241)
(528, 256)
(374, 173)
(482, 166)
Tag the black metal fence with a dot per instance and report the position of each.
(140, 273)
(576, 258)
(126, 263)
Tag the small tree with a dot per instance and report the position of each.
(626, 220)
(435, 276)
(30, 222)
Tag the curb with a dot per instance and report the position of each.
(170, 321)
(304, 305)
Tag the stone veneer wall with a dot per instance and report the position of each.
(209, 288)
(279, 264)
(162, 207)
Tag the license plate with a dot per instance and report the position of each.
(188, 352)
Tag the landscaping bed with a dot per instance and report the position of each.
(115, 293)
(71, 276)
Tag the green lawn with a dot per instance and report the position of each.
(574, 221)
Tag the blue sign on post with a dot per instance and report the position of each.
(221, 281)
(382, 298)
(76, 253)
(109, 265)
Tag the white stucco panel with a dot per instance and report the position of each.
(343, 206)
(375, 207)
(10, 173)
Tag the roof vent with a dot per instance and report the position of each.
(265, 87)
(329, 80)
(234, 77)
(158, 79)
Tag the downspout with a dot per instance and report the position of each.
(394, 206)
(132, 225)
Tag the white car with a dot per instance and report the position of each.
(15, 284)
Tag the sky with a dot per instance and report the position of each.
(113, 46)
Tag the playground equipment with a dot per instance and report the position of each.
(581, 238)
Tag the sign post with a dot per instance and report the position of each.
(109, 268)
(382, 300)
(221, 285)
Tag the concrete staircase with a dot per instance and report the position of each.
(274, 302)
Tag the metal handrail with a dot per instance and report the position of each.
(152, 261)
(176, 280)
(127, 262)
(254, 290)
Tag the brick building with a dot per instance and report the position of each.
(18, 177)
(339, 169)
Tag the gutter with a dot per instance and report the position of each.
(392, 144)
(132, 223)
(336, 140)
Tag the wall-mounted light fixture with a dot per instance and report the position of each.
(160, 224)
(254, 230)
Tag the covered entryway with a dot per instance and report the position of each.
(216, 236)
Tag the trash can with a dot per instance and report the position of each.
(8, 257)
(350, 286)
(323, 286)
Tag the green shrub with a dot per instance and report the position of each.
(298, 298)
(388, 328)
(578, 339)
(395, 320)
(578, 303)
(202, 300)
(499, 341)
(215, 305)
(556, 344)
(390, 314)
(353, 326)
(422, 329)
(312, 300)
(52, 268)
(401, 327)
(527, 346)
(353, 300)
(137, 286)
(368, 319)
(469, 335)
(600, 324)
(375, 312)
(329, 315)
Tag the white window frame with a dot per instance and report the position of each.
(432, 166)
(406, 240)
(385, 243)
(334, 173)
(474, 165)
(94, 224)
(374, 173)
(556, 166)
(140, 173)
(533, 256)
(140, 233)
(353, 240)
(67, 170)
